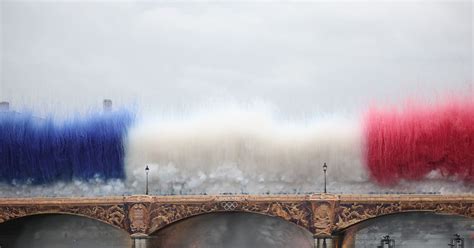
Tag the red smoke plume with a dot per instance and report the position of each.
(411, 143)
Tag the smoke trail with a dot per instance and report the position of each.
(421, 141)
(36, 151)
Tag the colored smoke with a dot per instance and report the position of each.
(239, 149)
(421, 141)
(35, 150)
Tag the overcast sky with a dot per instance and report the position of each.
(298, 57)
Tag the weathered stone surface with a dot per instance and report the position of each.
(323, 215)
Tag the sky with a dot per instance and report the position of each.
(298, 57)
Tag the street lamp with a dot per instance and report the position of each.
(325, 168)
(457, 242)
(387, 241)
(146, 171)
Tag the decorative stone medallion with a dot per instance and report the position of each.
(138, 215)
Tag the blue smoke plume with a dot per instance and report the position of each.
(38, 151)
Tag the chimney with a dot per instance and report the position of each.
(4, 106)
(107, 105)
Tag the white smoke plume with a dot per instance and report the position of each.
(247, 150)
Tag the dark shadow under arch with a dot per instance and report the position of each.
(64, 213)
(410, 229)
(368, 221)
(232, 230)
(157, 229)
(43, 230)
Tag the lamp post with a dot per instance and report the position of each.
(146, 171)
(325, 168)
(386, 240)
(457, 241)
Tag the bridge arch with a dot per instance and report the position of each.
(233, 229)
(155, 230)
(113, 215)
(58, 229)
(163, 215)
(410, 227)
(351, 214)
(371, 220)
(62, 213)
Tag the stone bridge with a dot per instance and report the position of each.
(326, 216)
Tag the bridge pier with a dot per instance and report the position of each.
(141, 241)
(347, 239)
(327, 242)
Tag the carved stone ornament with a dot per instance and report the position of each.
(353, 213)
(138, 216)
(111, 214)
(322, 214)
(323, 218)
(349, 214)
(164, 214)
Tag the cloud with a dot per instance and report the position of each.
(301, 57)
